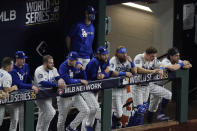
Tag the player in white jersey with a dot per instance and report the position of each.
(121, 65)
(171, 63)
(6, 84)
(46, 76)
(146, 63)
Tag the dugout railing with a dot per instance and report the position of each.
(180, 80)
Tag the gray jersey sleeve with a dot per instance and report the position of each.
(112, 63)
(165, 62)
(138, 61)
(7, 80)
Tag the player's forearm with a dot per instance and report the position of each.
(187, 66)
(48, 84)
(8, 89)
(134, 70)
(144, 71)
(68, 43)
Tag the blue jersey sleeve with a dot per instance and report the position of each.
(16, 81)
(28, 78)
(1, 88)
(92, 70)
(73, 31)
(63, 71)
(48, 84)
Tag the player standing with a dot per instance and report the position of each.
(72, 72)
(6, 84)
(46, 76)
(22, 78)
(121, 65)
(171, 63)
(81, 36)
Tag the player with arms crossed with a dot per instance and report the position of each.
(72, 72)
(46, 76)
(171, 63)
(121, 65)
(6, 87)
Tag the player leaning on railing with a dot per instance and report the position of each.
(97, 69)
(72, 72)
(46, 76)
(121, 65)
(171, 63)
(146, 63)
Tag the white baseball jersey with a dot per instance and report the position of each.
(42, 75)
(5, 79)
(166, 62)
(116, 65)
(140, 61)
(119, 95)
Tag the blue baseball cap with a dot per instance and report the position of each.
(90, 10)
(20, 55)
(102, 50)
(73, 55)
(122, 50)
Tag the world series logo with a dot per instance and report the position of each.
(42, 11)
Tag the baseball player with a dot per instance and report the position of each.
(81, 36)
(6, 84)
(97, 69)
(121, 65)
(146, 63)
(171, 63)
(22, 78)
(72, 72)
(46, 76)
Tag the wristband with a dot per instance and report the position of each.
(181, 64)
(121, 73)
(132, 64)
(162, 68)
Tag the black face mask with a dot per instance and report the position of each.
(91, 17)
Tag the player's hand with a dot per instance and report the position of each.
(84, 82)
(79, 66)
(128, 74)
(36, 90)
(100, 76)
(129, 59)
(61, 83)
(185, 62)
(15, 88)
(4, 94)
(159, 72)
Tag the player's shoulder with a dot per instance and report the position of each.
(113, 59)
(54, 69)
(166, 60)
(64, 64)
(39, 69)
(4, 74)
(139, 56)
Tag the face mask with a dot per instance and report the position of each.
(91, 17)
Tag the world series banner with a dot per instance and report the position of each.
(33, 26)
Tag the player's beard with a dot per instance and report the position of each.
(122, 60)
(49, 68)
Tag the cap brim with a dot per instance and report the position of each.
(25, 57)
(106, 52)
(72, 58)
